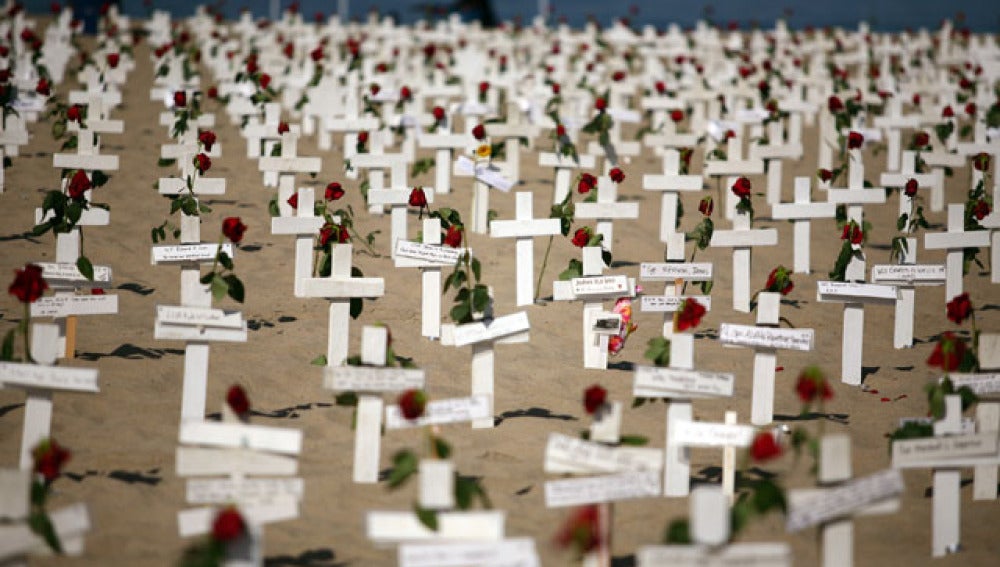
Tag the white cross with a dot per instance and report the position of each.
(524, 228)
(742, 239)
(801, 213)
(856, 196)
(564, 167)
(933, 180)
(776, 150)
(670, 184)
(511, 133)
(955, 240)
(854, 296)
(734, 164)
(674, 275)
(444, 145)
(430, 257)
(606, 209)
(893, 121)
(285, 166)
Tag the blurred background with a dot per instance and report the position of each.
(895, 15)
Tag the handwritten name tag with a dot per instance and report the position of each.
(565, 454)
(701, 434)
(487, 174)
(372, 378)
(979, 383)
(444, 255)
(843, 500)
(65, 271)
(667, 271)
(942, 451)
(48, 377)
(600, 489)
(66, 305)
(671, 303)
(750, 336)
(600, 285)
(189, 252)
(916, 273)
(438, 412)
(655, 381)
(830, 290)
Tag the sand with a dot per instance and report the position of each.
(123, 439)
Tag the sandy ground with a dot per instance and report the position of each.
(123, 439)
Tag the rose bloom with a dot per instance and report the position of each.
(812, 385)
(582, 528)
(911, 188)
(600, 104)
(834, 104)
(453, 236)
(677, 115)
(207, 139)
(282, 127)
(618, 76)
(690, 314)
(855, 140)
(947, 112)
(970, 109)
(581, 237)
(228, 525)
(264, 80)
(180, 99)
(594, 398)
(405, 93)
(948, 352)
(824, 175)
(362, 138)
(556, 88)
(78, 185)
(49, 459)
(202, 163)
(616, 175)
(741, 188)
(959, 308)
(333, 191)
(853, 233)
(981, 209)
(484, 86)
(479, 132)
(418, 198)
(706, 206)
(981, 161)
(28, 284)
(213, 92)
(43, 87)
(233, 229)
(587, 182)
(316, 54)
(293, 201)
(921, 139)
(764, 447)
(776, 277)
(560, 131)
(438, 113)
(916, 99)
(661, 88)
(374, 88)
(412, 403)
(238, 401)
(74, 113)
(113, 59)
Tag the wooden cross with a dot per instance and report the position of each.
(430, 257)
(801, 213)
(185, 154)
(606, 209)
(893, 122)
(39, 381)
(955, 240)
(263, 134)
(17, 539)
(986, 386)
(485, 176)
(524, 228)
(765, 339)
(742, 239)
(734, 164)
(564, 167)
(397, 197)
(372, 378)
(854, 296)
(670, 184)
(304, 225)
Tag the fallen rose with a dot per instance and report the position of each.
(237, 400)
(594, 398)
(812, 385)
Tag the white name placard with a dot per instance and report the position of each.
(484, 173)
(908, 273)
(945, 451)
(189, 252)
(496, 328)
(967, 425)
(66, 305)
(48, 377)
(656, 382)
(64, 271)
(981, 384)
(702, 434)
(750, 336)
(372, 378)
(453, 410)
(625, 115)
(599, 285)
(671, 303)
(735, 555)
(600, 489)
(667, 271)
(444, 255)
(826, 290)
(240, 435)
(518, 552)
(248, 490)
(825, 505)
(199, 316)
(565, 454)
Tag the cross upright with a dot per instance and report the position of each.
(893, 122)
(734, 164)
(304, 225)
(854, 296)
(670, 184)
(855, 197)
(933, 180)
(564, 167)
(742, 238)
(524, 228)
(431, 257)
(801, 213)
(444, 146)
(511, 132)
(287, 165)
(955, 240)
(777, 149)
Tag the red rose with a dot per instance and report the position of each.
(690, 314)
(438, 113)
(180, 99)
(43, 87)
(661, 88)
(959, 308)
(594, 398)
(453, 237)
(228, 525)
(581, 237)
(587, 182)
(264, 80)
(293, 201)
(677, 115)
(824, 175)
(233, 228)
(334, 191)
(616, 175)
(479, 132)
(289, 50)
(706, 206)
(484, 86)
(741, 188)
(981, 209)
(362, 138)
(316, 54)
(326, 234)
(556, 88)
(921, 139)
(853, 233)
(213, 92)
(916, 99)
(779, 281)
(581, 529)
(28, 284)
(948, 353)
(78, 184)
(970, 109)
(560, 130)
(764, 447)
(812, 386)
(282, 127)
(947, 112)
(202, 163)
(405, 94)
(113, 59)
(600, 104)
(418, 198)
(374, 88)
(911, 188)
(981, 161)
(729, 134)
(74, 113)
(855, 140)
(238, 401)
(207, 139)
(618, 76)
(834, 104)
(49, 459)
(412, 403)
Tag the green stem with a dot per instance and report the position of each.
(25, 326)
(545, 263)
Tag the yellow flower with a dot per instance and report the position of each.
(484, 151)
